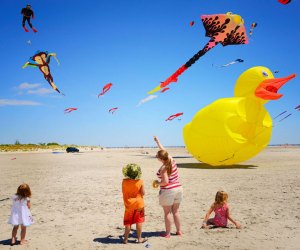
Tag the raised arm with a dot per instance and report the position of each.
(158, 143)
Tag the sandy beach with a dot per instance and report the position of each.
(77, 200)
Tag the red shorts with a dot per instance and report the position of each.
(133, 217)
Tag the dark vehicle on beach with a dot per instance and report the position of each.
(72, 150)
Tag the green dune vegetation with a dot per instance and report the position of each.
(40, 146)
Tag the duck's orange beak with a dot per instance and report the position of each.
(268, 88)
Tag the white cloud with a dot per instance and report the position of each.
(11, 102)
(32, 89)
(147, 99)
(40, 91)
(26, 85)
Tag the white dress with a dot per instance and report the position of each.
(20, 213)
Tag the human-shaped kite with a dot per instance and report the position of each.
(41, 59)
(27, 14)
(227, 29)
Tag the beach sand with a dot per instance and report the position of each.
(77, 200)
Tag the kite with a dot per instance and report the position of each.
(276, 71)
(164, 90)
(171, 117)
(227, 29)
(105, 89)
(280, 114)
(112, 110)
(41, 59)
(13, 158)
(253, 25)
(29, 42)
(236, 61)
(69, 110)
(284, 117)
(192, 23)
(232, 130)
(284, 1)
(27, 14)
(147, 99)
(297, 108)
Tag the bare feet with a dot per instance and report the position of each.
(165, 235)
(179, 233)
(23, 242)
(13, 240)
(142, 240)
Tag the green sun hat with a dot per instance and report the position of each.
(132, 171)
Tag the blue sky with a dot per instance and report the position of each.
(135, 44)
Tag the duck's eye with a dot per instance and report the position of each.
(265, 73)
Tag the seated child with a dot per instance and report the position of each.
(221, 209)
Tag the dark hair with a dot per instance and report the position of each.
(24, 191)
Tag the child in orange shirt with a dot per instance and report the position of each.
(133, 192)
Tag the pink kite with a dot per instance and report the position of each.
(171, 117)
(192, 23)
(112, 110)
(105, 89)
(226, 29)
(69, 110)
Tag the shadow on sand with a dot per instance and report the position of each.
(207, 166)
(7, 242)
(110, 240)
(119, 239)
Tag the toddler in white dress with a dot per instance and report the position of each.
(20, 213)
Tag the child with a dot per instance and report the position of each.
(20, 213)
(133, 192)
(221, 210)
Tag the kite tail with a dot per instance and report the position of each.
(189, 63)
(174, 77)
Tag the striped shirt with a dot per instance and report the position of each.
(173, 178)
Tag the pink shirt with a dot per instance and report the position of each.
(173, 178)
(221, 218)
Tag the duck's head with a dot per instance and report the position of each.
(238, 20)
(259, 82)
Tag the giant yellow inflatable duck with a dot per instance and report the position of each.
(232, 130)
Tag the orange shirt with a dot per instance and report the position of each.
(132, 196)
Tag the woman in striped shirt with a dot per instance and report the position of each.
(170, 194)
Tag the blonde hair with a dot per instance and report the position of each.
(24, 191)
(221, 197)
(167, 161)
